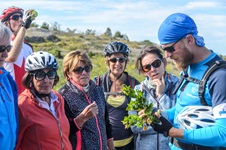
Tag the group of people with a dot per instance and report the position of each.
(87, 114)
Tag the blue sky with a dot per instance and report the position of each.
(138, 19)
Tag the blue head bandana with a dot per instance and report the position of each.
(177, 26)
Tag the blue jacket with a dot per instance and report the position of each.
(8, 111)
(147, 139)
(215, 96)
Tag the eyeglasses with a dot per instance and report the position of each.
(79, 70)
(41, 75)
(114, 60)
(16, 17)
(155, 64)
(171, 49)
(3, 48)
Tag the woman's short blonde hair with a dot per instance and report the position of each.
(71, 60)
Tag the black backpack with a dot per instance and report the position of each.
(202, 83)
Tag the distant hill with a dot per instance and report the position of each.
(60, 43)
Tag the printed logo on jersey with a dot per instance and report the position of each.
(220, 111)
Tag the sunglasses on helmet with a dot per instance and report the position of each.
(3, 48)
(114, 60)
(16, 17)
(155, 64)
(79, 70)
(41, 75)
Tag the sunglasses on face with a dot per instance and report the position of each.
(16, 17)
(41, 75)
(171, 49)
(79, 70)
(155, 64)
(3, 48)
(114, 60)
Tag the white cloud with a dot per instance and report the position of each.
(138, 19)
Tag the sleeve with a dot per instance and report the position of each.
(170, 113)
(210, 136)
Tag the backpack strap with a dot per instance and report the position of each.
(182, 78)
(218, 64)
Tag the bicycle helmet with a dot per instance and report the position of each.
(6, 13)
(194, 117)
(40, 60)
(116, 47)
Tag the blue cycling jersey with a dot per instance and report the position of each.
(215, 95)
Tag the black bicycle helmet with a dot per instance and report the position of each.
(116, 47)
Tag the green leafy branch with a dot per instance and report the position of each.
(137, 104)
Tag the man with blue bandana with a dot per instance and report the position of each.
(178, 36)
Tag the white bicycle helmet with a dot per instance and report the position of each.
(194, 117)
(40, 60)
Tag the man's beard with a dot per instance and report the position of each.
(184, 60)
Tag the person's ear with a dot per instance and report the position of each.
(190, 39)
(69, 74)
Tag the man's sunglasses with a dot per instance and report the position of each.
(41, 75)
(155, 64)
(16, 17)
(79, 70)
(3, 48)
(171, 49)
(114, 60)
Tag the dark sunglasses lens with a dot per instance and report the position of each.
(3, 48)
(113, 60)
(40, 75)
(79, 70)
(169, 49)
(121, 60)
(15, 17)
(87, 68)
(156, 63)
(51, 74)
(147, 68)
